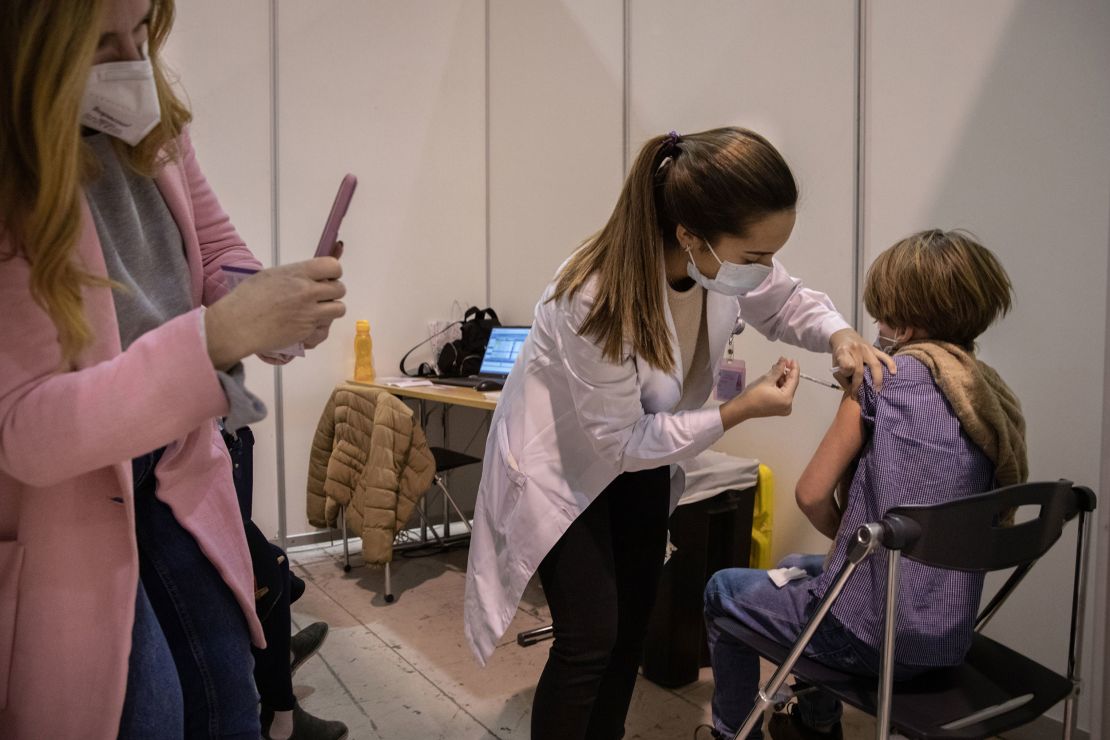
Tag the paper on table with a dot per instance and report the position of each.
(402, 382)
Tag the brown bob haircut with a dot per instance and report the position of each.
(942, 282)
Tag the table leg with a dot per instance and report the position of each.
(421, 504)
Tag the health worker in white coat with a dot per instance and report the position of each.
(579, 476)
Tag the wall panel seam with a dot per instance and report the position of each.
(860, 64)
(275, 254)
(625, 92)
(489, 210)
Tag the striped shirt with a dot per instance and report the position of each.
(914, 453)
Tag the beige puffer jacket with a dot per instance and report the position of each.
(370, 455)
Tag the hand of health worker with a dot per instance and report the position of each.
(772, 394)
(851, 354)
(273, 309)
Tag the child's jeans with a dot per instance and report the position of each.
(749, 597)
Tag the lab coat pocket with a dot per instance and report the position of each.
(11, 563)
(502, 486)
(512, 468)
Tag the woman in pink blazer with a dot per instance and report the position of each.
(77, 406)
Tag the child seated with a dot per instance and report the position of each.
(945, 425)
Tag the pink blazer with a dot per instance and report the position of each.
(68, 559)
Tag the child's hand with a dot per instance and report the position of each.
(772, 394)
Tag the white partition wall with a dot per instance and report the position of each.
(221, 52)
(393, 92)
(555, 136)
(786, 70)
(995, 117)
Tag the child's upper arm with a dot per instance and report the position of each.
(841, 445)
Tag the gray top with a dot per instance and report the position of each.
(144, 253)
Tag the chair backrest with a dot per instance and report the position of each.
(965, 533)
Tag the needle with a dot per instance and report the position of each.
(825, 383)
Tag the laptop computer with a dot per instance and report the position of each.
(501, 352)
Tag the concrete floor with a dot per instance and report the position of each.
(402, 671)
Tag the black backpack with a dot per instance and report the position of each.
(463, 356)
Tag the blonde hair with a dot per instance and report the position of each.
(714, 183)
(46, 51)
(942, 282)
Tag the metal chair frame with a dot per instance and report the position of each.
(898, 530)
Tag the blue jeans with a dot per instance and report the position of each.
(750, 598)
(200, 619)
(152, 706)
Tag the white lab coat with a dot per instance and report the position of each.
(569, 422)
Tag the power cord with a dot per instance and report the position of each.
(424, 370)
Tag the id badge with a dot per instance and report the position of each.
(731, 376)
(235, 275)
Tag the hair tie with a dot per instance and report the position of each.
(672, 141)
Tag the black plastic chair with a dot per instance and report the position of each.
(995, 689)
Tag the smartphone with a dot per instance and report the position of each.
(338, 210)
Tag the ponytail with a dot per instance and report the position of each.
(627, 258)
(712, 183)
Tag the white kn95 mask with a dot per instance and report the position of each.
(121, 100)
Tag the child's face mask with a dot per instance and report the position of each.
(886, 340)
(886, 344)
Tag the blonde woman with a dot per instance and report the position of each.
(578, 479)
(126, 594)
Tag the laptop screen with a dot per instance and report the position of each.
(504, 345)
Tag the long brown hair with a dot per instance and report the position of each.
(46, 51)
(714, 183)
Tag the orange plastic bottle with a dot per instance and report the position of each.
(364, 353)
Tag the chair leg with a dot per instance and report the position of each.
(446, 509)
(447, 498)
(422, 509)
(388, 586)
(1069, 716)
(346, 551)
(866, 541)
(1079, 609)
(427, 526)
(886, 675)
(531, 637)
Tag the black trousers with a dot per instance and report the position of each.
(600, 580)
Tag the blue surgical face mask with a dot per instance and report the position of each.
(732, 279)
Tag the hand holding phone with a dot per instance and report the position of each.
(330, 236)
